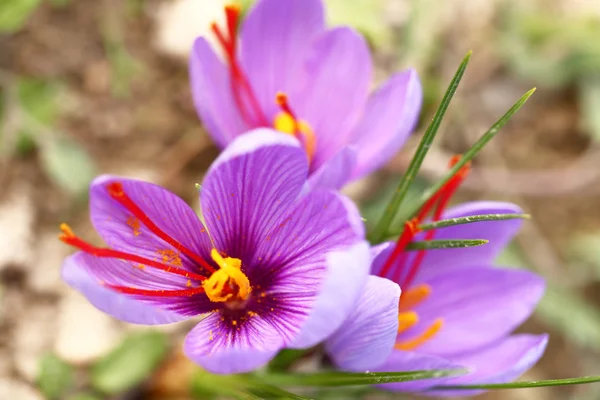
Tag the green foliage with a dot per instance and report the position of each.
(530, 384)
(14, 14)
(84, 396)
(55, 377)
(130, 363)
(589, 98)
(553, 50)
(363, 15)
(572, 316)
(381, 228)
(445, 244)
(67, 164)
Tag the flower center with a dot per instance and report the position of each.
(244, 96)
(228, 283)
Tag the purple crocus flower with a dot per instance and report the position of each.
(456, 311)
(287, 70)
(258, 267)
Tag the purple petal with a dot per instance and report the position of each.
(501, 362)
(334, 96)
(212, 94)
(346, 274)
(275, 37)
(390, 116)
(335, 172)
(249, 187)
(367, 337)
(401, 361)
(499, 234)
(122, 231)
(308, 249)
(75, 273)
(479, 305)
(219, 350)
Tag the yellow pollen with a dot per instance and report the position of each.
(285, 123)
(228, 282)
(414, 296)
(430, 332)
(134, 223)
(407, 320)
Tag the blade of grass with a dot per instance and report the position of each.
(524, 385)
(445, 223)
(329, 379)
(445, 244)
(470, 154)
(415, 164)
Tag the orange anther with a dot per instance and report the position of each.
(429, 333)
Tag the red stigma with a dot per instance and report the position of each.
(115, 190)
(157, 293)
(242, 91)
(438, 203)
(69, 238)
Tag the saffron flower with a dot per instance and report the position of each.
(285, 69)
(456, 309)
(257, 269)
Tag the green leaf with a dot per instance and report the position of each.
(329, 379)
(572, 316)
(285, 359)
(467, 220)
(14, 13)
(589, 96)
(38, 99)
(530, 384)
(445, 244)
(130, 363)
(67, 164)
(84, 396)
(363, 15)
(55, 377)
(386, 219)
(472, 152)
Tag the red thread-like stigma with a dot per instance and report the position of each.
(240, 86)
(69, 238)
(116, 191)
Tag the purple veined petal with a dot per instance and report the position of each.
(215, 348)
(390, 116)
(320, 238)
(212, 95)
(275, 37)
(499, 234)
(333, 97)
(122, 231)
(501, 362)
(401, 361)
(478, 305)
(335, 172)
(249, 187)
(117, 305)
(366, 339)
(346, 277)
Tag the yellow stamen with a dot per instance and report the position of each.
(407, 320)
(227, 283)
(430, 332)
(414, 296)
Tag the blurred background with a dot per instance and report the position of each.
(101, 86)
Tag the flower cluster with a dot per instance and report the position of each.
(277, 257)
